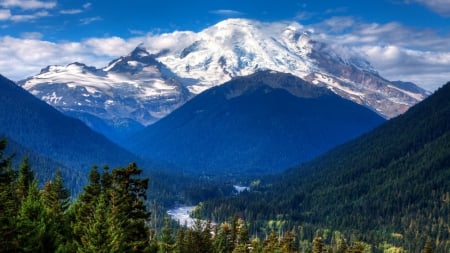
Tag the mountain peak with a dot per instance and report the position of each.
(233, 22)
(133, 62)
(139, 52)
(275, 80)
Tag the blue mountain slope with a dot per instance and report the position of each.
(257, 124)
(42, 129)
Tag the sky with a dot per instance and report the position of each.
(406, 40)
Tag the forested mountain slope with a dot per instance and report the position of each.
(261, 123)
(391, 181)
(42, 129)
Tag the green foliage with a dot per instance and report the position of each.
(26, 177)
(393, 180)
(427, 248)
(111, 214)
(9, 203)
(166, 242)
(33, 228)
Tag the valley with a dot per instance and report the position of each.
(244, 136)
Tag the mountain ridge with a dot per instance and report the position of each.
(128, 94)
(253, 124)
(39, 127)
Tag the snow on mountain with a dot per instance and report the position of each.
(131, 92)
(138, 89)
(238, 47)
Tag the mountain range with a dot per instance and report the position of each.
(159, 76)
(34, 126)
(261, 123)
(132, 91)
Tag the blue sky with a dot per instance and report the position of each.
(403, 39)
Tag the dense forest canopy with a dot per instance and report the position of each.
(388, 185)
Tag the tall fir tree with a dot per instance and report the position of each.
(427, 247)
(131, 192)
(34, 232)
(84, 207)
(9, 203)
(26, 177)
(167, 242)
(56, 199)
(318, 246)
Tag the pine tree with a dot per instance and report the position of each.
(9, 203)
(271, 244)
(180, 245)
(256, 246)
(318, 245)
(242, 239)
(130, 192)
(427, 247)
(223, 241)
(34, 234)
(288, 242)
(56, 199)
(99, 235)
(83, 208)
(26, 177)
(167, 242)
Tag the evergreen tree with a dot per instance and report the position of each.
(9, 203)
(256, 246)
(98, 235)
(180, 245)
(167, 242)
(242, 239)
(56, 199)
(34, 234)
(26, 177)
(427, 247)
(130, 192)
(318, 245)
(223, 241)
(198, 239)
(288, 242)
(271, 244)
(84, 207)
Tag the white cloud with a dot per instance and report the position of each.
(28, 4)
(228, 13)
(174, 40)
(33, 54)
(397, 52)
(5, 14)
(108, 46)
(87, 21)
(28, 17)
(71, 11)
(439, 6)
(87, 5)
(32, 35)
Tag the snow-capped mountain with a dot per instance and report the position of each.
(239, 47)
(131, 92)
(138, 89)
